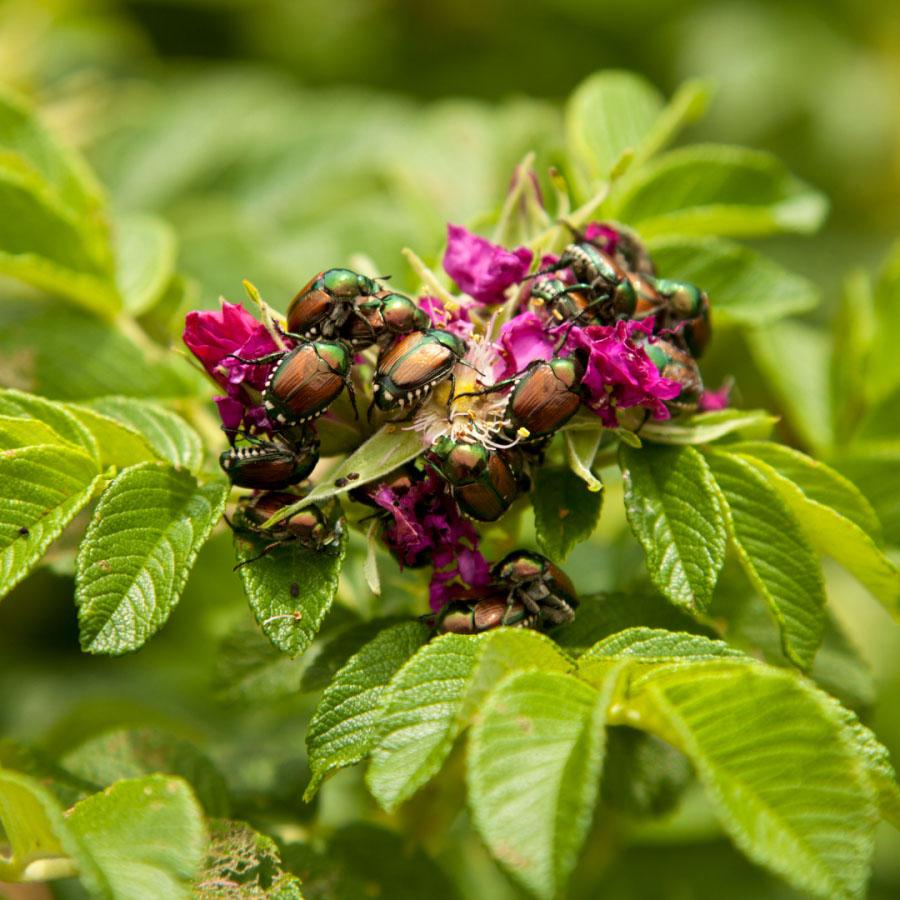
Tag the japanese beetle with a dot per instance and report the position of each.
(546, 395)
(604, 279)
(483, 482)
(685, 302)
(266, 465)
(325, 303)
(310, 527)
(542, 588)
(307, 381)
(412, 364)
(386, 314)
(464, 618)
(563, 302)
(676, 365)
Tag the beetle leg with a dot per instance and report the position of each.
(260, 360)
(352, 393)
(265, 552)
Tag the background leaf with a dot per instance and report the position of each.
(715, 189)
(146, 835)
(744, 286)
(138, 551)
(565, 511)
(146, 249)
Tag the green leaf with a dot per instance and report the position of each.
(565, 512)
(744, 287)
(674, 511)
(35, 828)
(713, 189)
(344, 727)
(775, 555)
(251, 670)
(138, 551)
(534, 761)
(878, 766)
(777, 764)
(616, 115)
(145, 249)
(131, 753)
(581, 450)
(387, 449)
(120, 445)
(146, 835)
(882, 377)
(15, 432)
(643, 776)
(49, 246)
(853, 329)
(246, 864)
(290, 588)
(42, 489)
(67, 355)
(876, 471)
(431, 699)
(703, 428)
(794, 358)
(602, 615)
(168, 434)
(823, 503)
(63, 421)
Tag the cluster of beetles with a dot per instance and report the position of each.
(340, 314)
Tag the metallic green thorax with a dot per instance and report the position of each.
(605, 277)
(538, 584)
(345, 284)
(546, 395)
(685, 300)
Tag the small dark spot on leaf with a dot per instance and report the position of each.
(526, 726)
(340, 482)
(563, 513)
(104, 564)
(24, 531)
(295, 589)
(352, 476)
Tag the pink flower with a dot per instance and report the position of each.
(215, 337)
(481, 269)
(606, 237)
(426, 526)
(713, 401)
(455, 321)
(523, 339)
(619, 373)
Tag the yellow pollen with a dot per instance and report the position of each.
(523, 432)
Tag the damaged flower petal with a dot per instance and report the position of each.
(481, 269)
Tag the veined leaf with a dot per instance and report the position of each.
(54, 415)
(615, 115)
(432, 698)
(744, 286)
(138, 551)
(775, 555)
(674, 511)
(146, 835)
(387, 449)
(565, 512)
(876, 471)
(120, 445)
(145, 249)
(703, 428)
(168, 434)
(534, 761)
(825, 527)
(42, 488)
(132, 753)
(712, 189)
(344, 727)
(16, 432)
(786, 782)
(290, 588)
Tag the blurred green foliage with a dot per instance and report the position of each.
(277, 137)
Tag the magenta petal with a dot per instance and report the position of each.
(481, 269)
(606, 237)
(713, 401)
(231, 412)
(522, 340)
